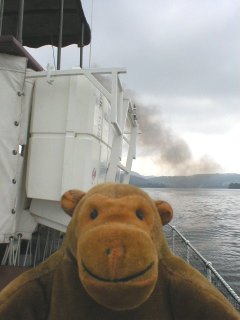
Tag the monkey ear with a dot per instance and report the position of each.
(70, 199)
(165, 211)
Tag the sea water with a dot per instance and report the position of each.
(210, 219)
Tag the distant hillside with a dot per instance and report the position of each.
(234, 186)
(216, 180)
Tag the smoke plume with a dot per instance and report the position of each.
(168, 150)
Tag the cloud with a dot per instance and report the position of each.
(182, 48)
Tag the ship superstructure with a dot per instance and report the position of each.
(59, 129)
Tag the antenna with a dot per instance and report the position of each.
(90, 50)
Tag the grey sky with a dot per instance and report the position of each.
(184, 47)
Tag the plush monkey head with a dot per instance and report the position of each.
(116, 237)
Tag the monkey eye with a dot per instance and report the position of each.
(93, 214)
(139, 214)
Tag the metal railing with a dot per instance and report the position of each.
(28, 253)
(183, 248)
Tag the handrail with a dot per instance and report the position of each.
(234, 298)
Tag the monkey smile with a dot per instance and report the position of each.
(117, 280)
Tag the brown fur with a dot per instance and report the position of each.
(114, 264)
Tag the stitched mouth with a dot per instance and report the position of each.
(125, 279)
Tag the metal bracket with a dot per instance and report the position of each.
(49, 71)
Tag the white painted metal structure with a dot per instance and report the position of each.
(81, 133)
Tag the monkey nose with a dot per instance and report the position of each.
(114, 258)
(114, 252)
(108, 251)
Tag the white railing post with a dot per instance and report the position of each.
(17, 250)
(11, 252)
(131, 153)
(188, 251)
(209, 271)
